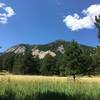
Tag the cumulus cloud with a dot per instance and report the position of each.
(1, 5)
(8, 12)
(75, 22)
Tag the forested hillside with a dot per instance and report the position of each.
(56, 58)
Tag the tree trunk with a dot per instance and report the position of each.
(74, 77)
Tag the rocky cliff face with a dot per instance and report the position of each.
(35, 51)
(16, 50)
(53, 49)
(61, 49)
(42, 54)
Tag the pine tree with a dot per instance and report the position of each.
(31, 64)
(48, 65)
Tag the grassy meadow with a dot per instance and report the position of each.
(18, 87)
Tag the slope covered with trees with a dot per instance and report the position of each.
(70, 58)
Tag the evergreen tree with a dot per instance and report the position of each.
(31, 64)
(7, 62)
(60, 65)
(48, 65)
(18, 64)
(96, 58)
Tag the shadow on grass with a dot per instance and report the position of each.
(8, 95)
(59, 96)
(47, 96)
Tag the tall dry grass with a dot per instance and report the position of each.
(18, 87)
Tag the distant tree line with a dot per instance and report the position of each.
(75, 60)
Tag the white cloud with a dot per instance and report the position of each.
(1, 5)
(75, 22)
(3, 20)
(8, 12)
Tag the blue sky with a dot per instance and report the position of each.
(41, 21)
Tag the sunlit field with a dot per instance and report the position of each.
(18, 87)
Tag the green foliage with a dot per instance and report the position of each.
(72, 56)
(97, 19)
(7, 61)
(48, 65)
(97, 24)
(77, 59)
(96, 59)
(31, 64)
(87, 63)
(61, 65)
(18, 64)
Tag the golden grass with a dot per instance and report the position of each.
(93, 79)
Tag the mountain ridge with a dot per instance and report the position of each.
(41, 50)
(50, 43)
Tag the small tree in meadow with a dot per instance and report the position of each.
(72, 56)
